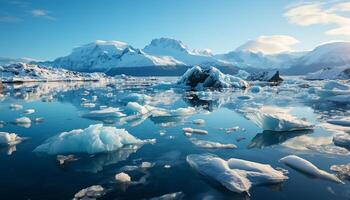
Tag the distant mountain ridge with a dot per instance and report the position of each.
(173, 57)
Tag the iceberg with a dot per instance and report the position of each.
(194, 130)
(94, 139)
(331, 85)
(29, 111)
(271, 76)
(199, 121)
(9, 139)
(105, 113)
(277, 119)
(307, 167)
(91, 192)
(257, 173)
(23, 120)
(341, 122)
(218, 169)
(15, 106)
(235, 174)
(210, 77)
(342, 170)
(170, 196)
(211, 145)
(122, 177)
(342, 140)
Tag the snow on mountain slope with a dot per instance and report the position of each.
(179, 51)
(258, 60)
(7, 61)
(331, 55)
(104, 55)
(22, 72)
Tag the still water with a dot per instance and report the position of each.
(25, 174)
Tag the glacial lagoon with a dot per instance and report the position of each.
(28, 174)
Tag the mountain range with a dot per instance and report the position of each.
(166, 56)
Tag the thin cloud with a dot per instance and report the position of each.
(42, 13)
(323, 14)
(269, 44)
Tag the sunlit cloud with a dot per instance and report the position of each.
(269, 44)
(322, 13)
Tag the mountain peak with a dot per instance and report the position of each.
(165, 45)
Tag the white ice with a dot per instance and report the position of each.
(277, 119)
(194, 130)
(341, 122)
(91, 192)
(105, 113)
(23, 120)
(122, 177)
(29, 111)
(211, 145)
(308, 168)
(342, 140)
(94, 139)
(9, 139)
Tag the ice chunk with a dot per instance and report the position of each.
(91, 192)
(38, 119)
(341, 122)
(170, 196)
(277, 119)
(271, 76)
(308, 168)
(210, 77)
(194, 130)
(158, 112)
(342, 170)
(257, 173)
(88, 105)
(199, 121)
(122, 178)
(94, 139)
(29, 111)
(329, 149)
(23, 120)
(343, 98)
(16, 106)
(211, 145)
(105, 113)
(62, 159)
(9, 139)
(342, 140)
(218, 169)
(135, 108)
(331, 85)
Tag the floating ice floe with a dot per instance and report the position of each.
(342, 140)
(9, 139)
(194, 130)
(307, 167)
(135, 108)
(329, 149)
(29, 111)
(331, 85)
(344, 98)
(342, 170)
(15, 106)
(210, 77)
(122, 177)
(277, 119)
(170, 196)
(199, 121)
(38, 119)
(62, 159)
(105, 113)
(341, 122)
(23, 121)
(235, 174)
(211, 145)
(92, 192)
(159, 112)
(94, 139)
(88, 105)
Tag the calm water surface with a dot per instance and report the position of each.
(25, 174)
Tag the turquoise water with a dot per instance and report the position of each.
(25, 174)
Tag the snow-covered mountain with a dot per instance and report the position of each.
(179, 51)
(7, 61)
(23, 72)
(104, 55)
(330, 55)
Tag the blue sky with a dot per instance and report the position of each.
(46, 29)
